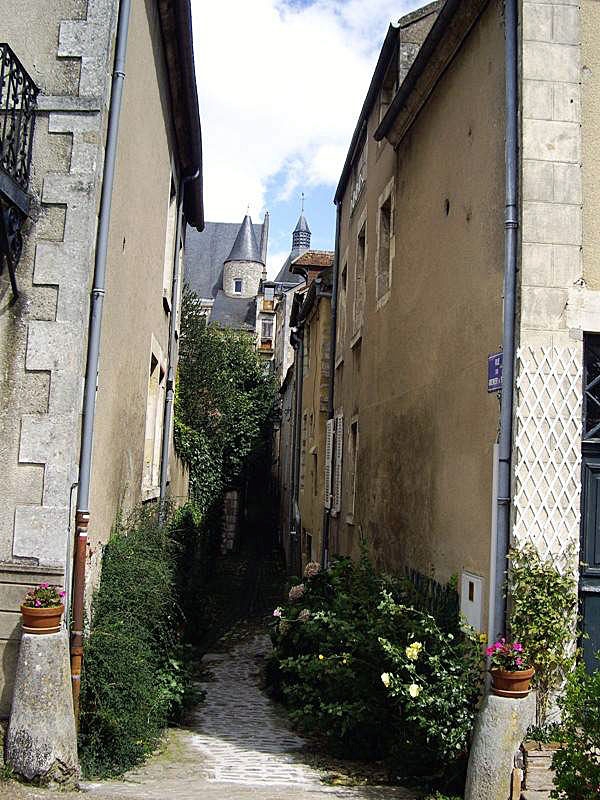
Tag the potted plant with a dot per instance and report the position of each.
(42, 609)
(510, 670)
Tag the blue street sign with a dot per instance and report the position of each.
(495, 372)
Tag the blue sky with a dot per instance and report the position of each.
(281, 84)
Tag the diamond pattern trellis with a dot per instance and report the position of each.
(547, 457)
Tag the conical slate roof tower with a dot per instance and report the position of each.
(245, 247)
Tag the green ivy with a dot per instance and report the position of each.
(136, 670)
(224, 403)
(543, 613)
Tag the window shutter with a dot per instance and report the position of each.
(339, 453)
(329, 462)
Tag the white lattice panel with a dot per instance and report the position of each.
(547, 455)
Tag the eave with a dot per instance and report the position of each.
(176, 25)
(452, 26)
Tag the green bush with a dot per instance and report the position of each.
(135, 675)
(375, 677)
(577, 763)
(543, 612)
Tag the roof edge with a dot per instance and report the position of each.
(432, 42)
(176, 26)
(385, 54)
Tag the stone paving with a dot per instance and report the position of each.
(237, 746)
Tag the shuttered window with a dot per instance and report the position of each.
(329, 461)
(339, 454)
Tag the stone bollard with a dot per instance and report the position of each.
(41, 742)
(501, 726)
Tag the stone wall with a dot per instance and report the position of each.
(250, 272)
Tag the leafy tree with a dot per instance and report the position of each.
(224, 405)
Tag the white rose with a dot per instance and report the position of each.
(385, 679)
(414, 690)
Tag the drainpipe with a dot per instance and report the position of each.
(332, 349)
(82, 515)
(508, 337)
(168, 413)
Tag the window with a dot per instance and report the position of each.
(269, 298)
(171, 232)
(341, 318)
(353, 455)
(154, 428)
(591, 383)
(360, 175)
(338, 463)
(306, 351)
(266, 331)
(383, 249)
(359, 279)
(237, 285)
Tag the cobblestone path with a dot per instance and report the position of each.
(237, 745)
(240, 734)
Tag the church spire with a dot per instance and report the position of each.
(301, 234)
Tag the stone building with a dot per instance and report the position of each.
(300, 447)
(92, 215)
(468, 208)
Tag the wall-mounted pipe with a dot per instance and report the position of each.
(168, 412)
(511, 225)
(82, 515)
(332, 350)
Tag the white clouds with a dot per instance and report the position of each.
(280, 88)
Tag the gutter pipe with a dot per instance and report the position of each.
(168, 413)
(82, 515)
(508, 339)
(332, 350)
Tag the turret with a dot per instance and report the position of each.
(243, 268)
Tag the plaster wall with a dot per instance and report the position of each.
(415, 380)
(136, 320)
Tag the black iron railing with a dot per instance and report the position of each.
(18, 99)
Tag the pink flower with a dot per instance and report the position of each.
(490, 650)
(277, 612)
(518, 647)
(44, 585)
(312, 569)
(519, 662)
(38, 603)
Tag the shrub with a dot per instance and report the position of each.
(543, 608)
(374, 676)
(135, 674)
(577, 763)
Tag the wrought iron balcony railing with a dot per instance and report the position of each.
(18, 98)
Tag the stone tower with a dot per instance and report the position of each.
(243, 268)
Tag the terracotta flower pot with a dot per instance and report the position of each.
(511, 684)
(41, 620)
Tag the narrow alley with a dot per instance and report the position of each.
(236, 744)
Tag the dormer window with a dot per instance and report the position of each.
(237, 286)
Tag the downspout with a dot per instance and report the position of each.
(82, 515)
(168, 413)
(332, 349)
(508, 336)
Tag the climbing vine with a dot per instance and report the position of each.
(224, 404)
(543, 607)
